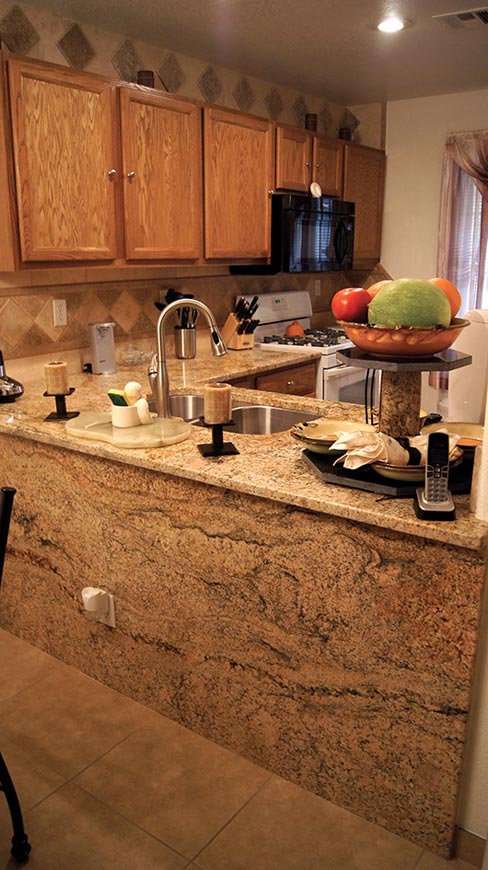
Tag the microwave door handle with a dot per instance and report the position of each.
(340, 241)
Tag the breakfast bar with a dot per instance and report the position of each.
(323, 632)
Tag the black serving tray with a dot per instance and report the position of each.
(367, 479)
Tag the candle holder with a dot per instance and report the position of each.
(218, 447)
(60, 413)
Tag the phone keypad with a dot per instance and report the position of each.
(436, 482)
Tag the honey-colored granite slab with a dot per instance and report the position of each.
(267, 466)
(334, 653)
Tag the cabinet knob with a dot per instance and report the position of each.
(112, 173)
(131, 175)
(317, 166)
(270, 192)
(308, 164)
(290, 383)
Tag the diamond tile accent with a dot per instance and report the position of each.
(350, 121)
(243, 95)
(16, 31)
(274, 103)
(300, 109)
(125, 311)
(171, 74)
(75, 47)
(126, 61)
(325, 118)
(92, 310)
(15, 322)
(210, 85)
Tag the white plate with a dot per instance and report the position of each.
(410, 472)
(315, 189)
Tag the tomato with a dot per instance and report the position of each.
(351, 304)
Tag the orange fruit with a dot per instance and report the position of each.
(451, 292)
(373, 290)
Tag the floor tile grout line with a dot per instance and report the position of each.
(227, 823)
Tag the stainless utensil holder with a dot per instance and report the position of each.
(185, 342)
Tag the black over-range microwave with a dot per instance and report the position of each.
(308, 234)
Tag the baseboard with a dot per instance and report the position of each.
(468, 847)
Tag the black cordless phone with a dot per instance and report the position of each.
(434, 502)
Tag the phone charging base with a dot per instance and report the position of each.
(430, 510)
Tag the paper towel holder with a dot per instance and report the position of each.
(99, 605)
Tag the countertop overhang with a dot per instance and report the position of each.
(268, 466)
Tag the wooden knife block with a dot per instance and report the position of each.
(232, 339)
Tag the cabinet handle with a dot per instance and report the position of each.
(112, 173)
(131, 175)
(290, 383)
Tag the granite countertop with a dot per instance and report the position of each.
(268, 466)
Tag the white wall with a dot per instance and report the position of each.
(415, 137)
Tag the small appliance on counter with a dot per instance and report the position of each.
(10, 389)
(102, 348)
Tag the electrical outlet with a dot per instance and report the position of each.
(317, 286)
(60, 316)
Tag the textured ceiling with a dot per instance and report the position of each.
(325, 47)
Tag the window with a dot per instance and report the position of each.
(463, 228)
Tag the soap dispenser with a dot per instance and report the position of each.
(102, 347)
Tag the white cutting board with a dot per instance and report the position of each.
(98, 426)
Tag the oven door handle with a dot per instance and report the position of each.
(342, 370)
(340, 241)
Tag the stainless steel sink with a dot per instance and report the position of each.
(247, 419)
(265, 419)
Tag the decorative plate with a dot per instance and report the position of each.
(318, 435)
(403, 341)
(471, 434)
(315, 189)
(411, 473)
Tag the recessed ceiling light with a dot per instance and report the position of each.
(391, 25)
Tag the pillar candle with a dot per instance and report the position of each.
(217, 403)
(56, 378)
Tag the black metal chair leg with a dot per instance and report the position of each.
(20, 844)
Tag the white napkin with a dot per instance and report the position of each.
(363, 448)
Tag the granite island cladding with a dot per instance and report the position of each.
(323, 633)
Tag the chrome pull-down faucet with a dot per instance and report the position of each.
(158, 372)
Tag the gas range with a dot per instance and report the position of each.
(335, 381)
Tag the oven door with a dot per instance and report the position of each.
(348, 384)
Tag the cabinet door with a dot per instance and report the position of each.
(364, 181)
(293, 158)
(162, 172)
(297, 380)
(64, 154)
(238, 172)
(327, 165)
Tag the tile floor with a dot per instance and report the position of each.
(106, 783)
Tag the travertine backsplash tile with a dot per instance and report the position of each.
(26, 319)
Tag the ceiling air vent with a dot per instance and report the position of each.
(468, 18)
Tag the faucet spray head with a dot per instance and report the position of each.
(218, 343)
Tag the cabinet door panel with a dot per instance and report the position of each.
(294, 381)
(327, 165)
(238, 173)
(64, 150)
(364, 170)
(161, 146)
(293, 159)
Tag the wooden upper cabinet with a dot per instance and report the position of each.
(327, 157)
(293, 159)
(162, 176)
(238, 173)
(364, 181)
(64, 155)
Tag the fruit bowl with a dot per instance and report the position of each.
(403, 341)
